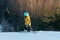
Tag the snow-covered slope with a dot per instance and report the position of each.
(39, 35)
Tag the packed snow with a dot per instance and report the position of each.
(37, 35)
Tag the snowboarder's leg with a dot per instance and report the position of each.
(30, 26)
(26, 27)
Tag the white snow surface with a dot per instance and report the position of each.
(38, 35)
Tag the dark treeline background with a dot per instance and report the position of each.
(45, 14)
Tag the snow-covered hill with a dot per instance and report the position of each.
(39, 35)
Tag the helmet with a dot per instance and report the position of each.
(26, 14)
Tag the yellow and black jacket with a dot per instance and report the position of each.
(27, 21)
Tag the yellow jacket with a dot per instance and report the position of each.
(27, 21)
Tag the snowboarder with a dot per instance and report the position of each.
(27, 21)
